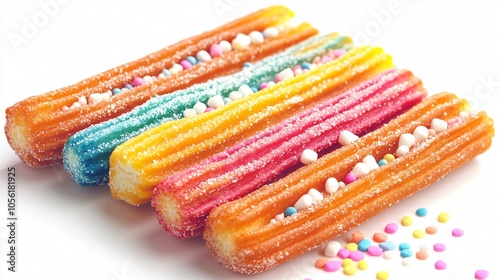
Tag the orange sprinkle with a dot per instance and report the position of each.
(431, 230)
(379, 237)
(357, 236)
(422, 255)
(320, 263)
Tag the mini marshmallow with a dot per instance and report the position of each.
(303, 202)
(331, 185)
(308, 156)
(203, 56)
(315, 194)
(406, 139)
(420, 133)
(189, 113)
(245, 90)
(360, 170)
(256, 37)
(199, 107)
(235, 95)
(371, 162)
(439, 125)
(215, 101)
(402, 150)
(346, 137)
(271, 32)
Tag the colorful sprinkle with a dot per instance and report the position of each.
(404, 246)
(382, 162)
(407, 221)
(349, 178)
(332, 248)
(406, 253)
(351, 246)
(375, 251)
(456, 232)
(389, 157)
(422, 255)
(356, 255)
(439, 247)
(289, 211)
(481, 274)
(440, 265)
(391, 228)
(387, 246)
(364, 244)
(418, 233)
(321, 262)
(350, 269)
(382, 275)
(379, 237)
(421, 212)
(362, 265)
(343, 253)
(443, 217)
(431, 230)
(333, 266)
(357, 236)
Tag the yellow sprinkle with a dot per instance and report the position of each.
(346, 262)
(363, 265)
(349, 269)
(407, 221)
(443, 217)
(389, 157)
(351, 247)
(382, 275)
(418, 233)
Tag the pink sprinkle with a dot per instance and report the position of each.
(263, 86)
(349, 178)
(481, 274)
(375, 251)
(186, 64)
(339, 52)
(439, 247)
(440, 265)
(137, 82)
(277, 79)
(343, 253)
(332, 266)
(432, 132)
(456, 232)
(296, 67)
(209, 109)
(326, 59)
(215, 50)
(356, 255)
(391, 228)
(316, 60)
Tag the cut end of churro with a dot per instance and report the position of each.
(124, 179)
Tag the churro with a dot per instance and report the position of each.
(254, 233)
(184, 199)
(38, 127)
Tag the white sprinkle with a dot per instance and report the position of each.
(75, 105)
(273, 221)
(360, 169)
(346, 137)
(371, 162)
(402, 150)
(341, 185)
(177, 67)
(315, 194)
(285, 74)
(147, 79)
(271, 32)
(245, 90)
(82, 100)
(421, 133)
(389, 255)
(225, 46)
(203, 56)
(303, 202)
(280, 217)
(270, 84)
(235, 95)
(256, 37)
(200, 107)
(332, 248)
(105, 96)
(95, 98)
(189, 113)
(406, 261)
(161, 76)
(308, 156)
(331, 185)
(215, 101)
(174, 70)
(406, 139)
(439, 125)
(241, 42)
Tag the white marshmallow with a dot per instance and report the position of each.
(200, 107)
(360, 169)
(285, 74)
(245, 89)
(371, 162)
(421, 133)
(402, 150)
(346, 137)
(315, 194)
(225, 46)
(203, 56)
(308, 156)
(189, 113)
(215, 101)
(235, 95)
(271, 32)
(439, 125)
(256, 37)
(303, 202)
(332, 248)
(331, 185)
(406, 139)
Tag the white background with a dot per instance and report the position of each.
(66, 232)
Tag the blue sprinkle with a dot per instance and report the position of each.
(387, 245)
(364, 244)
(129, 86)
(247, 64)
(404, 246)
(254, 89)
(192, 60)
(306, 65)
(290, 211)
(166, 73)
(227, 100)
(421, 212)
(406, 253)
(382, 162)
(117, 91)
